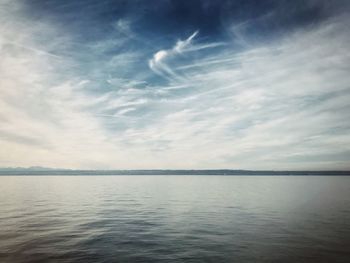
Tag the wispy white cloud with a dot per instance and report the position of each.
(278, 105)
(160, 61)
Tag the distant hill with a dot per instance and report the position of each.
(37, 170)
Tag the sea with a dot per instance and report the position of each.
(174, 219)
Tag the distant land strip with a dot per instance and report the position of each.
(48, 171)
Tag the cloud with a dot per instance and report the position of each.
(182, 45)
(267, 103)
(159, 62)
(278, 104)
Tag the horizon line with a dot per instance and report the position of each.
(62, 171)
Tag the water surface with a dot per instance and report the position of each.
(174, 219)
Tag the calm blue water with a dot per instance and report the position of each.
(174, 219)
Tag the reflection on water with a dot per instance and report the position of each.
(174, 219)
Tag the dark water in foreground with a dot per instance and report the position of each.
(174, 219)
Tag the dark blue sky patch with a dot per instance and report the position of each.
(90, 19)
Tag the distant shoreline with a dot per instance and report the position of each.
(221, 172)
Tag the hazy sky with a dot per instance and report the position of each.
(241, 84)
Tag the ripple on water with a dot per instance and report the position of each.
(175, 219)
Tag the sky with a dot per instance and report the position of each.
(175, 84)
